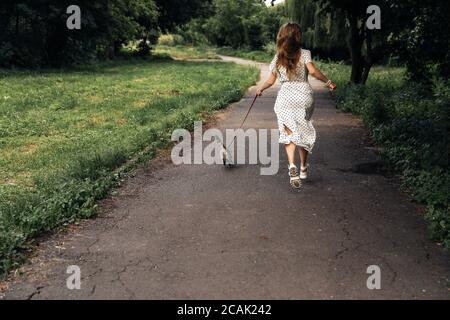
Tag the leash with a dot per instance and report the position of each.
(245, 118)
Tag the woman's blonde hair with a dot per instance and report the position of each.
(289, 46)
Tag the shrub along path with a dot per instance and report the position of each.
(206, 232)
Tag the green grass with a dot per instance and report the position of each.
(65, 136)
(260, 56)
(207, 52)
(187, 52)
(379, 75)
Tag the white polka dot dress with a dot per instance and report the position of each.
(295, 103)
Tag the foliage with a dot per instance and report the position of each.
(174, 13)
(256, 55)
(66, 134)
(235, 23)
(34, 33)
(366, 46)
(324, 32)
(193, 33)
(187, 52)
(242, 23)
(422, 44)
(170, 40)
(411, 32)
(411, 125)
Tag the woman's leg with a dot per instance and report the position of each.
(303, 164)
(290, 149)
(303, 157)
(293, 172)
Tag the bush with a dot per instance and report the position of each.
(171, 40)
(193, 32)
(270, 48)
(410, 123)
(240, 24)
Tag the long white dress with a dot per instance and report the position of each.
(295, 103)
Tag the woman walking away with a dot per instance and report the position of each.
(295, 102)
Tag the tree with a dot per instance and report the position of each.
(410, 29)
(324, 32)
(275, 16)
(131, 20)
(422, 44)
(355, 13)
(339, 21)
(174, 13)
(34, 33)
(238, 23)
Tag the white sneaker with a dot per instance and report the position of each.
(294, 178)
(304, 172)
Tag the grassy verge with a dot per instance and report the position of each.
(410, 123)
(65, 135)
(260, 56)
(206, 52)
(187, 52)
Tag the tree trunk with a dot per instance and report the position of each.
(111, 51)
(369, 59)
(356, 42)
(117, 48)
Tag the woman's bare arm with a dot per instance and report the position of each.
(266, 85)
(316, 73)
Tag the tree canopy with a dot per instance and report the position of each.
(420, 44)
(34, 33)
(177, 12)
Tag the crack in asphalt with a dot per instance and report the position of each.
(37, 291)
(131, 293)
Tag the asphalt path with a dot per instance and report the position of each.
(206, 232)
